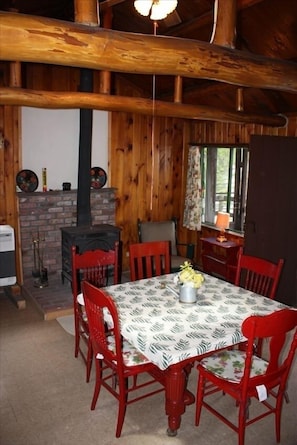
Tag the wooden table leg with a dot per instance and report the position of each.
(177, 396)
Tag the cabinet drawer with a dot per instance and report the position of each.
(219, 258)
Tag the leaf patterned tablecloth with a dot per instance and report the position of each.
(168, 332)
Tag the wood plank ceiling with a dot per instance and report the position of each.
(263, 27)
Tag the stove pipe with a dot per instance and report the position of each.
(84, 156)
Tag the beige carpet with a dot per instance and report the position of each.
(67, 323)
(46, 401)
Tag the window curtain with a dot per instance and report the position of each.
(192, 209)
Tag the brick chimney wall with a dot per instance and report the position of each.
(42, 214)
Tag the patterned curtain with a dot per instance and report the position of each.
(192, 210)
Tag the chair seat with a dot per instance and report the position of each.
(131, 356)
(229, 365)
(107, 316)
(80, 299)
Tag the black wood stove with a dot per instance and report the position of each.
(101, 236)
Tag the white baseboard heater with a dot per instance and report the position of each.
(7, 256)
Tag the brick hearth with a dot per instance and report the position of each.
(44, 213)
(52, 301)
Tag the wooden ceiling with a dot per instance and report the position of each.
(263, 27)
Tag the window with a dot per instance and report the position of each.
(224, 172)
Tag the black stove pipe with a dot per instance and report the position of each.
(84, 155)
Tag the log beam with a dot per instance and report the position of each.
(67, 100)
(43, 40)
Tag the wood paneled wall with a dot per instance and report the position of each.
(10, 162)
(152, 187)
(221, 132)
(148, 171)
(147, 167)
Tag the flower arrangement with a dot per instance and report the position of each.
(189, 276)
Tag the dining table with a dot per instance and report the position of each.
(174, 335)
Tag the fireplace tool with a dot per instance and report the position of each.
(39, 272)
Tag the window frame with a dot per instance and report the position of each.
(238, 169)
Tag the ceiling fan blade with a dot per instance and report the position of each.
(172, 19)
(109, 4)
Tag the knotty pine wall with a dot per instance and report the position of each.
(149, 177)
(148, 171)
(152, 187)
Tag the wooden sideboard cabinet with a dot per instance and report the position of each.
(219, 259)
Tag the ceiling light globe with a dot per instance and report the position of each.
(158, 12)
(159, 9)
(143, 6)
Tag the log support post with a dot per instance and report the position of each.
(224, 29)
(12, 162)
(178, 89)
(105, 76)
(86, 12)
(239, 100)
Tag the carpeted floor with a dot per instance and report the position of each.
(67, 323)
(45, 400)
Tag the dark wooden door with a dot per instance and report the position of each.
(271, 217)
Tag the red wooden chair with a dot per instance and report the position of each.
(96, 266)
(243, 375)
(260, 276)
(166, 231)
(257, 274)
(149, 259)
(117, 359)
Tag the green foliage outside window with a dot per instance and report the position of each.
(224, 179)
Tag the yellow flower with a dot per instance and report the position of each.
(189, 275)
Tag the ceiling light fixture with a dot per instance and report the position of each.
(159, 9)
